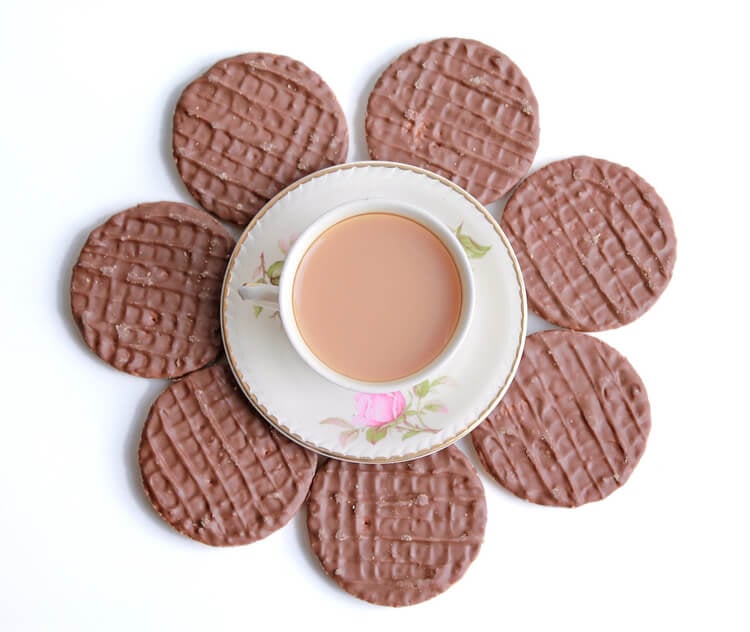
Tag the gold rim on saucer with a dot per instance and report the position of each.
(332, 453)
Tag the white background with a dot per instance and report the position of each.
(85, 113)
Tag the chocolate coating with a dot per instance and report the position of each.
(397, 534)
(213, 469)
(250, 126)
(145, 289)
(459, 108)
(594, 240)
(572, 426)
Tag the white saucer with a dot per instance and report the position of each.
(356, 426)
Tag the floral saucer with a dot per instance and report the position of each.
(374, 427)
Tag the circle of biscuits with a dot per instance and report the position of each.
(595, 242)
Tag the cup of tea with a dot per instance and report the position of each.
(374, 295)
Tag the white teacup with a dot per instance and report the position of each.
(281, 297)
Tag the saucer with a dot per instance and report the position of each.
(374, 427)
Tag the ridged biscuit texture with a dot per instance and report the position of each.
(595, 242)
(252, 125)
(397, 534)
(213, 469)
(572, 426)
(145, 289)
(459, 108)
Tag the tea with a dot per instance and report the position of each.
(377, 297)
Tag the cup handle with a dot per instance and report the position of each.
(263, 294)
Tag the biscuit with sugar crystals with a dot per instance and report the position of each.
(213, 469)
(397, 534)
(459, 108)
(572, 426)
(145, 289)
(250, 126)
(595, 242)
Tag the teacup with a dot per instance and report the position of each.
(375, 295)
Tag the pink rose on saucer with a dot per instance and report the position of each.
(377, 409)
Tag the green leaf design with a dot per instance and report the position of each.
(257, 310)
(409, 434)
(373, 435)
(434, 407)
(472, 248)
(421, 389)
(274, 272)
(337, 421)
